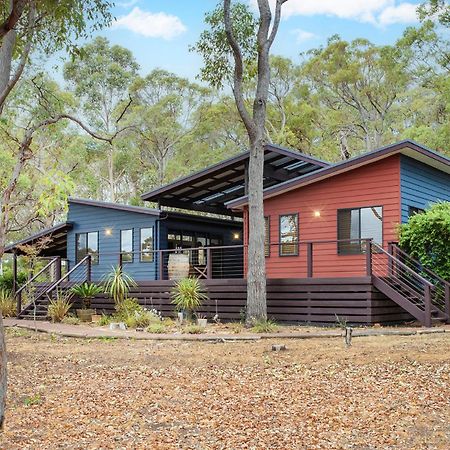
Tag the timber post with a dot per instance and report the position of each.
(310, 262)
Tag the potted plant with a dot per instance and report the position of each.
(86, 291)
(188, 295)
(202, 321)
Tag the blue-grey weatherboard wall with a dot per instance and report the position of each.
(108, 223)
(421, 185)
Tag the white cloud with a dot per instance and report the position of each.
(302, 35)
(154, 25)
(128, 4)
(402, 13)
(377, 12)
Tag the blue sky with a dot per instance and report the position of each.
(159, 32)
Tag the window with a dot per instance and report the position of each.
(357, 224)
(146, 244)
(87, 244)
(267, 236)
(413, 210)
(126, 245)
(289, 235)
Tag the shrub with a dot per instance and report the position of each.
(59, 307)
(71, 320)
(87, 291)
(194, 329)
(157, 328)
(104, 320)
(188, 295)
(134, 315)
(7, 303)
(6, 280)
(264, 326)
(118, 285)
(426, 238)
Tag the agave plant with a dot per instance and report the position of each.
(87, 291)
(118, 285)
(188, 295)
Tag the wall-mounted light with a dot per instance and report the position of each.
(316, 213)
(108, 232)
(236, 236)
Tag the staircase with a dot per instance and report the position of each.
(34, 297)
(418, 290)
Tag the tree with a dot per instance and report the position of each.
(100, 79)
(25, 26)
(236, 35)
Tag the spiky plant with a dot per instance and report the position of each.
(59, 307)
(7, 303)
(87, 291)
(188, 295)
(118, 284)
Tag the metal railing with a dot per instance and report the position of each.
(440, 292)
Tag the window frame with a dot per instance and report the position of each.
(126, 252)
(280, 244)
(267, 244)
(362, 250)
(413, 210)
(141, 252)
(94, 261)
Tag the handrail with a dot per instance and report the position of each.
(35, 276)
(58, 282)
(425, 269)
(401, 264)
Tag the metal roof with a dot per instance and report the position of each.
(57, 246)
(406, 147)
(210, 189)
(118, 206)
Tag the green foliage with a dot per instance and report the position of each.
(264, 326)
(214, 48)
(188, 295)
(157, 328)
(118, 284)
(32, 400)
(105, 320)
(134, 315)
(193, 329)
(86, 292)
(59, 307)
(8, 305)
(71, 320)
(6, 280)
(426, 238)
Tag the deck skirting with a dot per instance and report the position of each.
(315, 300)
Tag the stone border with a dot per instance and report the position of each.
(83, 332)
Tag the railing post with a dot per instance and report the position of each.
(58, 270)
(19, 302)
(14, 269)
(161, 264)
(427, 298)
(208, 263)
(447, 301)
(120, 260)
(310, 261)
(390, 261)
(89, 269)
(369, 257)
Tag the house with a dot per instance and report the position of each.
(330, 237)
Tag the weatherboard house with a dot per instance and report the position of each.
(330, 238)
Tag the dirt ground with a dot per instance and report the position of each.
(388, 392)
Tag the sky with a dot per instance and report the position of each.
(159, 32)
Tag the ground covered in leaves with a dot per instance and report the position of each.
(382, 393)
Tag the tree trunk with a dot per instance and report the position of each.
(256, 273)
(6, 55)
(3, 373)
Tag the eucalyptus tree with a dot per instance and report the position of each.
(236, 42)
(28, 26)
(165, 113)
(100, 79)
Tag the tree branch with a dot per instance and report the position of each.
(10, 22)
(238, 69)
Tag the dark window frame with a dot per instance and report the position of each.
(361, 250)
(267, 244)
(141, 252)
(132, 246)
(413, 210)
(95, 259)
(280, 244)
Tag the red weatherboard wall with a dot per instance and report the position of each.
(377, 184)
